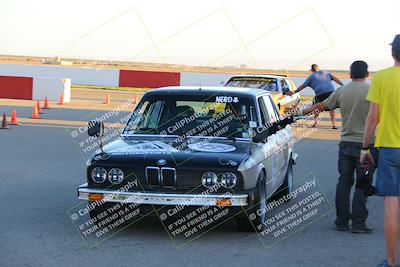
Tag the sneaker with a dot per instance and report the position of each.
(385, 264)
(342, 228)
(363, 230)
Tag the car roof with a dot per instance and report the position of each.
(276, 76)
(207, 90)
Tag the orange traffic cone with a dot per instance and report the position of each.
(4, 124)
(35, 112)
(107, 100)
(38, 107)
(61, 99)
(46, 103)
(14, 120)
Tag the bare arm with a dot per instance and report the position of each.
(337, 80)
(371, 123)
(301, 87)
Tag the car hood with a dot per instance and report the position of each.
(159, 150)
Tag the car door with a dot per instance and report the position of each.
(271, 162)
(283, 152)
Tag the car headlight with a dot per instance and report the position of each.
(209, 179)
(99, 175)
(115, 175)
(228, 180)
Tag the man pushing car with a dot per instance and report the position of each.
(321, 82)
(351, 99)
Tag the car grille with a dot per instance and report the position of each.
(150, 177)
(168, 177)
(153, 176)
(161, 177)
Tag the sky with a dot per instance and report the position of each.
(284, 34)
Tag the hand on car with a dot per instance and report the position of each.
(289, 93)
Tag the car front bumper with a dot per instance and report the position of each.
(155, 198)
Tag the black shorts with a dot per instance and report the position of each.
(322, 97)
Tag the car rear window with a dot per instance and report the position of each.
(269, 84)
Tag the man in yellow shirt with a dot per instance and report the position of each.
(384, 95)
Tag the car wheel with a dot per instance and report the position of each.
(251, 220)
(287, 187)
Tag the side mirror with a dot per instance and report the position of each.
(285, 89)
(95, 128)
(261, 134)
(287, 120)
(281, 124)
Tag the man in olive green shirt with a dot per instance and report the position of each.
(351, 99)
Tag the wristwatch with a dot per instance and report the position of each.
(365, 151)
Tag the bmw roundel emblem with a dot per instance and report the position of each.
(161, 162)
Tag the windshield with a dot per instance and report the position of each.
(223, 115)
(268, 84)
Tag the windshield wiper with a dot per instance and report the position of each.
(142, 130)
(214, 137)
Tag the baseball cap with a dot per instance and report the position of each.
(396, 43)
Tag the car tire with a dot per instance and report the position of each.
(250, 221)
(287, 187)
